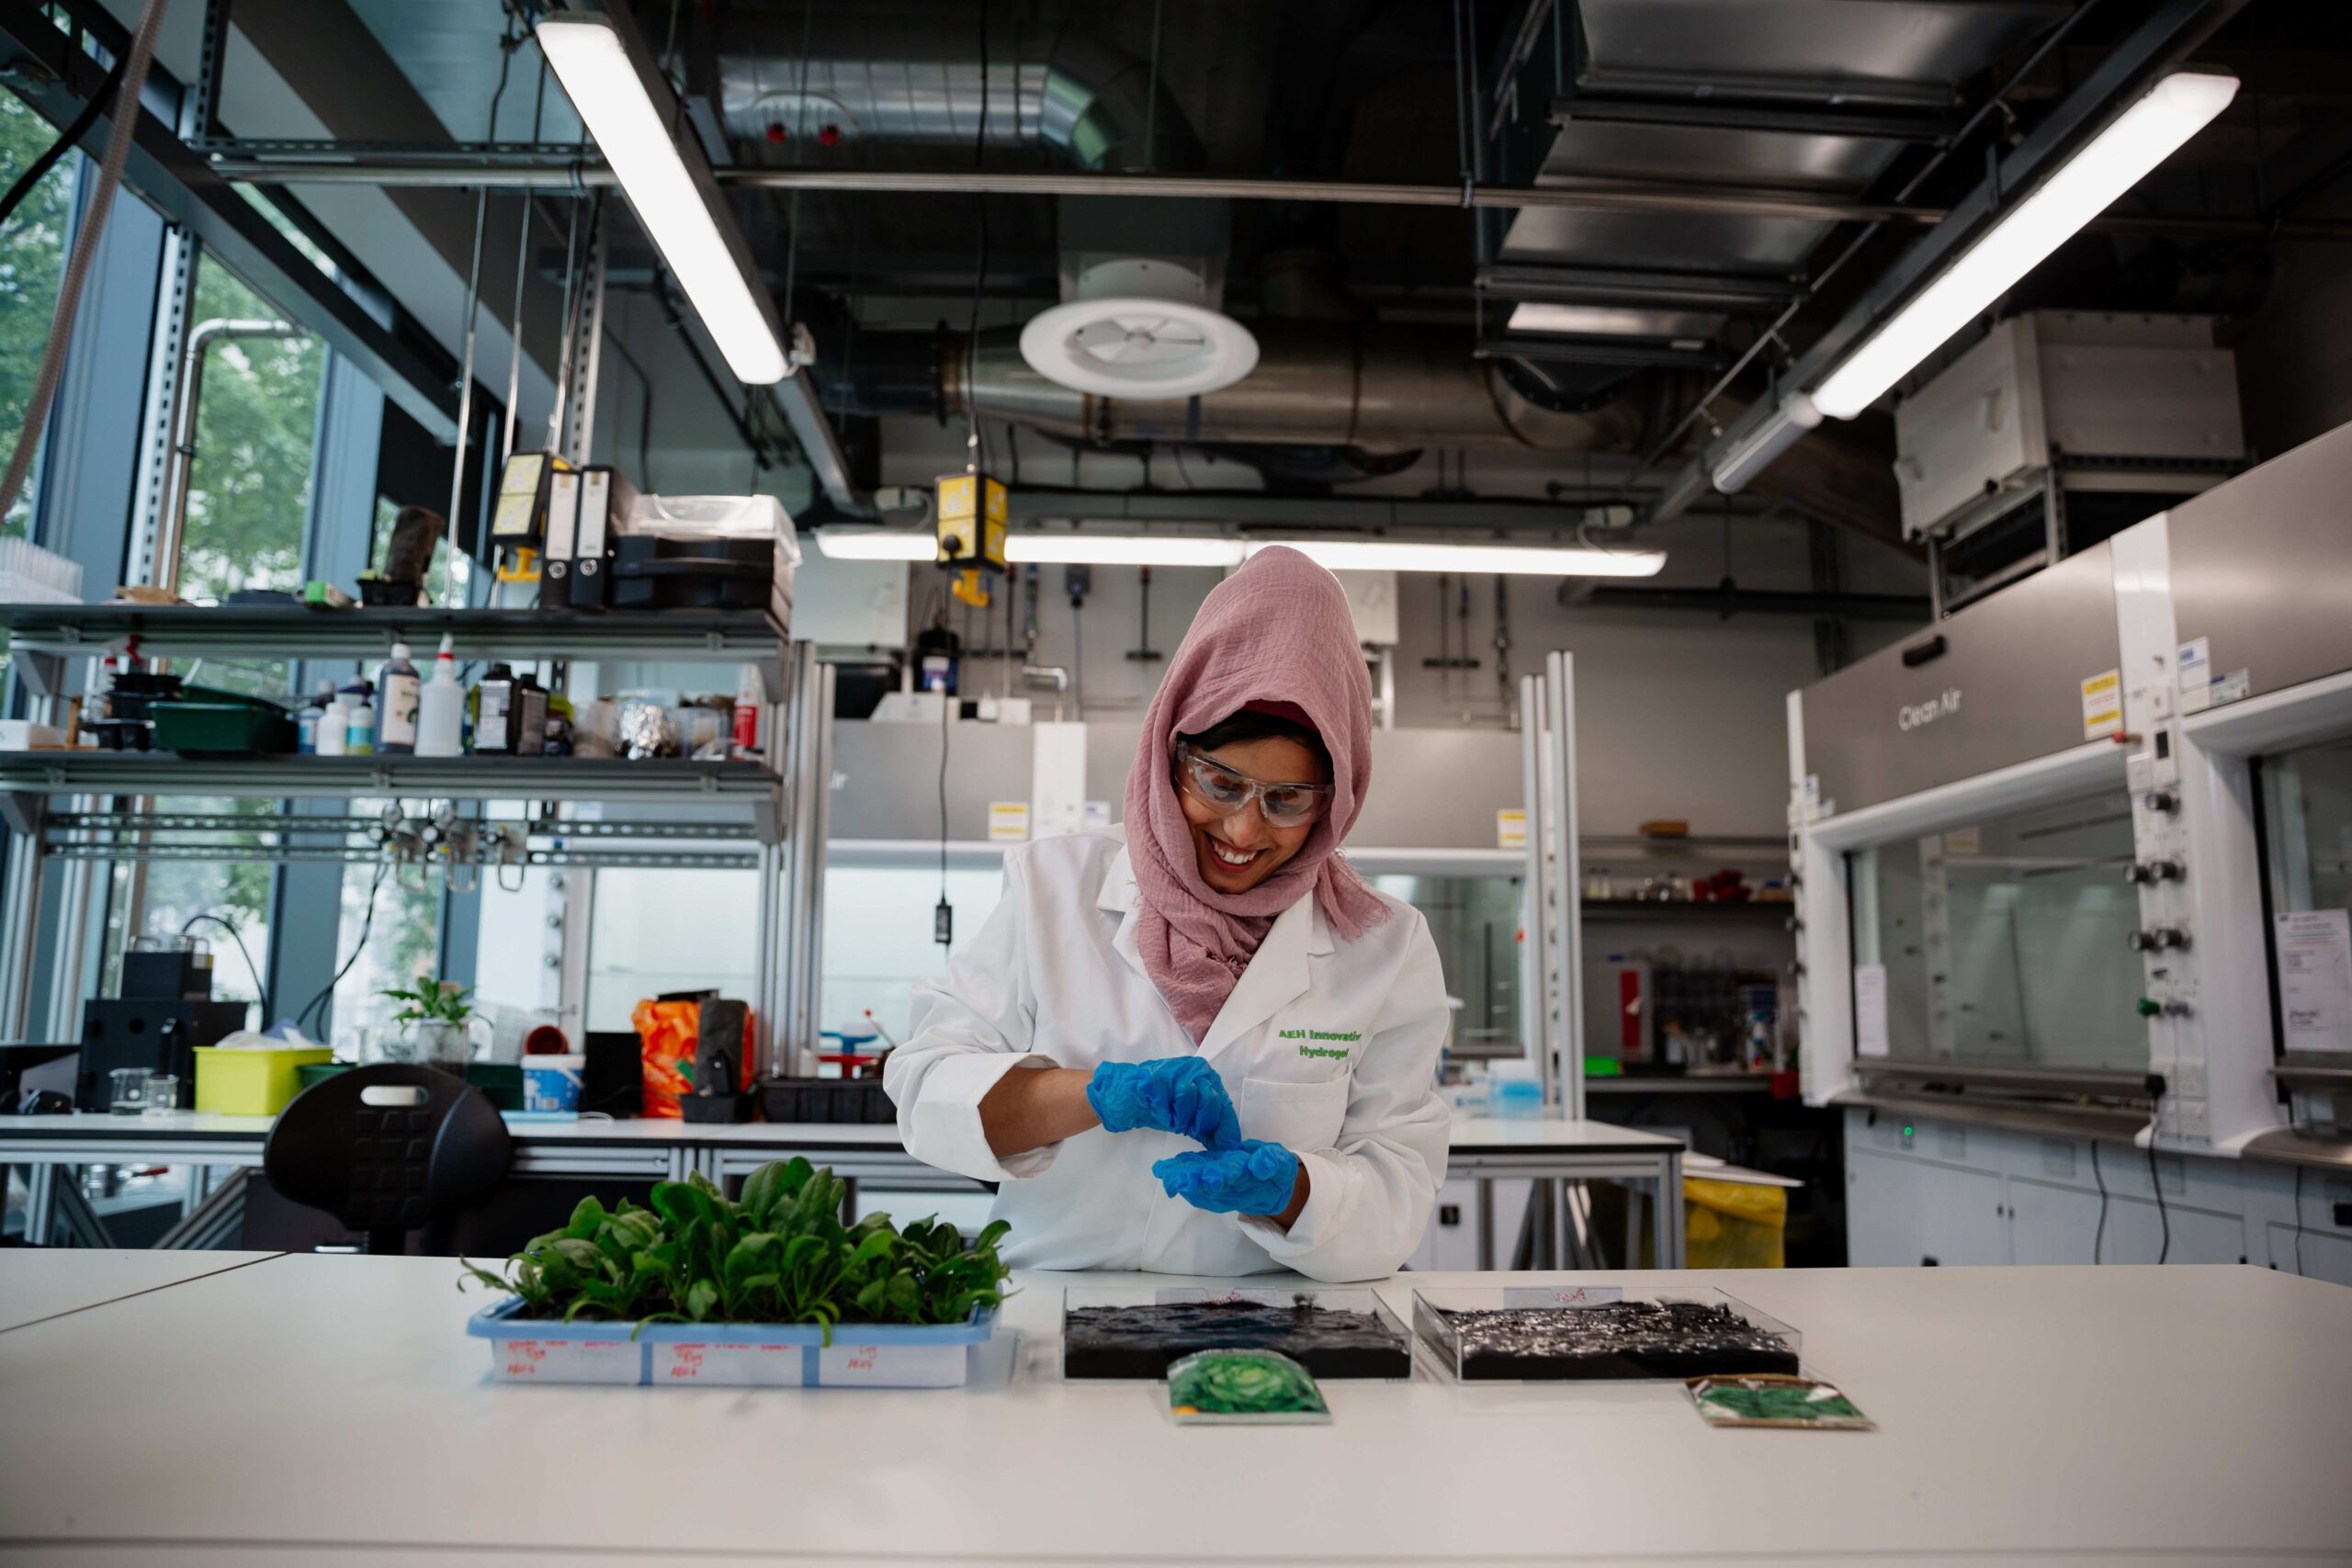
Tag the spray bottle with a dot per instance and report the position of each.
(441, 709)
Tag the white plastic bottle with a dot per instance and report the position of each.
(359, 739)
(334, 724)
(396, 688)
(441, 709)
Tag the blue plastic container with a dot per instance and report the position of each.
(733, 1355)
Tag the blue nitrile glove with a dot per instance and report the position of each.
(1256, 1179)
(1175, 1094)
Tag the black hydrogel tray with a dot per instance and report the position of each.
(1138, 1333)
(1655, 1334)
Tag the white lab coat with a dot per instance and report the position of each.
(1328, 1048)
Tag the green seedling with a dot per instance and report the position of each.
(778, 1253)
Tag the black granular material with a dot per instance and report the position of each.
(1141, 1342)
(1624, 1339)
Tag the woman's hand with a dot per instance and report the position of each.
(1259, 1179)
(1175, 1094)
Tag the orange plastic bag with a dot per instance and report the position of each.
(667, 1033)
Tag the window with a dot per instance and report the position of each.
(2007, 943)
(32, 259)
(389, 931)
(2307, 832)
(179, 890)
(249, 487)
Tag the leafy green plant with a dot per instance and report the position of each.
(431, 1001)
(778, 1253)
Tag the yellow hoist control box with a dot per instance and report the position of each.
(972, 512)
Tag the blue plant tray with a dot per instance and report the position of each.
(733, 1355)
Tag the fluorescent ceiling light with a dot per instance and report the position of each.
(2088, 183)
(1782, 429)
(1337, 555)
(1123, 549)
(1043, 550)
(595, 67)
(1603, 320)
(1518, 560)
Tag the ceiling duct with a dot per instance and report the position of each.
(1141, 286)
(1315, 383)
(804, 78)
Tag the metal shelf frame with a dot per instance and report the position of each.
(41, 637)
(71, 786)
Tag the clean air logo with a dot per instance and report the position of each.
(1912, 715)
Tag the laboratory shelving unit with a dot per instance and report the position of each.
(87, 807)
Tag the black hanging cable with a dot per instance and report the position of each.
(975, 455)
(2098, 1238)
(261, 991)
(66, 139)
(302, 1019)
(2163, 1217)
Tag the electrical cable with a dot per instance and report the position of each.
(302, 1019)
(67, 140)
(87, 233)
(261, 991)
(2164, 1218)
(975, 455)
(2099, 1240)
(2299, 1219)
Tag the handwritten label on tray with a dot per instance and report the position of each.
(890, 1366)
(569, 1360)
(1563, 1296)
(737, 1366)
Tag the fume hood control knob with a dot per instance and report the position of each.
(2176, 1008)
(2163, 800)
(2149, 871)
(2148, 1007)
(2159, 939)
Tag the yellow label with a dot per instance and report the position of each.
(2102, 704)
(1008, 822)
(1510, 830)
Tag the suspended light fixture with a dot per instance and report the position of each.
(614, 93)
(1337, 555)
(2088, 183)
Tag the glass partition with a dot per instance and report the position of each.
(2006, 942)
(2307, 854)
(1474, 921)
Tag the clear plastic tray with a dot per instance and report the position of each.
(1751, 1342)
(734, 1355)
(1223, 1317)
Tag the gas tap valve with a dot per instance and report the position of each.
(2152, 871)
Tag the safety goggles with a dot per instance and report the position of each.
(1225, 792)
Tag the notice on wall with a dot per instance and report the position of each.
(2314, 948)
(1870, 1009)
(2102, 704)
(1008, 822)
(1510, 829)
(2195, 672)
(1963, 841)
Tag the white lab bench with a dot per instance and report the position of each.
(329, 1410)
(1484, 1148)
(70, 1280)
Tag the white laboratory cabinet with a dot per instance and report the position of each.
(2076, 877)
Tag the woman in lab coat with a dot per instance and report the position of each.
(1205, 1045)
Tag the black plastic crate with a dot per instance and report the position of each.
(835, 1101)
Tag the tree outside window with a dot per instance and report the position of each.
(32, 258)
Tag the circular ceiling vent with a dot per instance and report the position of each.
(1139, 347)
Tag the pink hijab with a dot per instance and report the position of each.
(1275, 637)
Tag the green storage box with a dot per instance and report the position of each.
(208, 722)
(501, 1081)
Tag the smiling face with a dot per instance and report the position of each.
(1237, 853)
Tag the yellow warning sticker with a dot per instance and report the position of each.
(2103, 706)
(1510, 829)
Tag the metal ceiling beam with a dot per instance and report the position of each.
(2169, 30)
(57, 79)
(1829, 118)
(1601, 348)
(1260, 509)
(331, 165)
(1567, 283)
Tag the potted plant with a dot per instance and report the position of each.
(767, 1288)
(432, 1025)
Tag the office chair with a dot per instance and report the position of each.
(387, 1149)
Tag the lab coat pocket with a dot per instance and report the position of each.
(1295, 1115)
